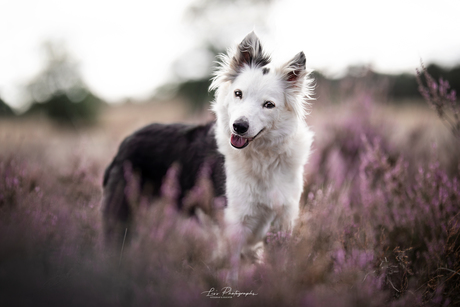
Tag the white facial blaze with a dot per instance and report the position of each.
(256, 88)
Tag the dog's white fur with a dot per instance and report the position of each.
(265, 178)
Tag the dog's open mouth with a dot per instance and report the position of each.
(240, 142)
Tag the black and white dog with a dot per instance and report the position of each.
(149, 153)
(257, 148)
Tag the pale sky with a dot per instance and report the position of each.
(126, 48)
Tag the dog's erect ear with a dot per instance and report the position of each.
(295, 71)
(298, 86)
(250, 53)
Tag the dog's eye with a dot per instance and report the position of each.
(239, 94)
(269, 105)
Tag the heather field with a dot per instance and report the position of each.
(379, 223)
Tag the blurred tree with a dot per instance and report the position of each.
(193, 73)
(59, 91)
(5, 109)
(404, 86)
(401, 86)
(453, 75)
(196, 92)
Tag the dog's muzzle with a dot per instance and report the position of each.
(241, 126)
(241, 142)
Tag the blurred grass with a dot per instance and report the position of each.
(352, 247)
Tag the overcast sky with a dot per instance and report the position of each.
(126, 48)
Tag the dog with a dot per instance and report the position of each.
(147, 155)
(256, 149)
(261, 132)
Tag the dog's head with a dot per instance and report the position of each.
(254, 100)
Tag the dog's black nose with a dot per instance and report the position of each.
(240, 126)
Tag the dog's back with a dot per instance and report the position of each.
(147, 155)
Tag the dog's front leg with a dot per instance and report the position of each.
(237, 235)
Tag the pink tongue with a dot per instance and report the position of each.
(237, 141)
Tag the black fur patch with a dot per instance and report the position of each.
(249, 53)
(265, 70)
(151, 151)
